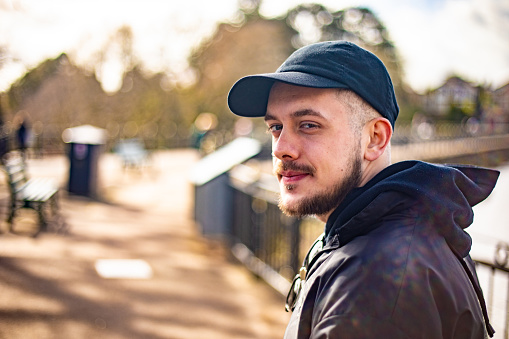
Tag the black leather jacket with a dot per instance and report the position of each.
(395, 262)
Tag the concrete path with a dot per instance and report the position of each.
(49, 286)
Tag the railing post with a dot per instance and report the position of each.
(506, 329)
(491, 284)
(295, 244)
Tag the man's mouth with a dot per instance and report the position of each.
(291, 173)
(291, 177)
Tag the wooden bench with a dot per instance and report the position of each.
(39, 194)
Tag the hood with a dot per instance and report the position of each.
(443, 196)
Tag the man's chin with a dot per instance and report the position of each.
(289, 211)
(291, 206)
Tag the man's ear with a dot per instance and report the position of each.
(379, 133)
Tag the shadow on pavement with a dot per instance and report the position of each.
(50, 288)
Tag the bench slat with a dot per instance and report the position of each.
(38, 190)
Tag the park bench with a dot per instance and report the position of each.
(132, 152)
(39, 194)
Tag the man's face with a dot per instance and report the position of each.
(317, 155)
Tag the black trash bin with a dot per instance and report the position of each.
(85, 145)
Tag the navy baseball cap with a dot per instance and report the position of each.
(330, 64)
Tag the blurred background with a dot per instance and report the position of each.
(124, 103)
(148, 70)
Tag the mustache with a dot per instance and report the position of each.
(281, 166)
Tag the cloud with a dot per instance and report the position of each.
(467, 38)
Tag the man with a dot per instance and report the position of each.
(394, 260)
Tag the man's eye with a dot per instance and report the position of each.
(308, 125)
(275, 128)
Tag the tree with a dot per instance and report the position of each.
(255, 44)
(314, 22)
(115, 59)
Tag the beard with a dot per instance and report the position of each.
(323, 202)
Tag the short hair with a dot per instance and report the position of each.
(362, 112)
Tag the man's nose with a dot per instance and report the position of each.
(285, 147)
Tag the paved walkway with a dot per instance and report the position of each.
(50, 288)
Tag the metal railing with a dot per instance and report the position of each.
(269, 243)
(273, 246)
(494, 279)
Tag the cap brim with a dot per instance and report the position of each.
(249, 96)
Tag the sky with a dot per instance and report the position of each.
(435, 38)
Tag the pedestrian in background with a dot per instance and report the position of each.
(23, 135)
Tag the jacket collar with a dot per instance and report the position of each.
(418, 185)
